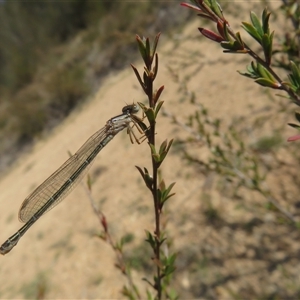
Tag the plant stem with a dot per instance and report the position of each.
(154, 194)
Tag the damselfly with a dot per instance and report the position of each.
(54, 189)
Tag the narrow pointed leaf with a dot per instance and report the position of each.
(139, 77)
(146, 177)
(267, 47)
(155, 69)
(265, 21)
(162, 185)
(150, 239)
(156, 97)
(295, 76)
(169, 145)
(239, 39)
(159, 195)
(155, 43)
(142, 47)
(265, 73)
(211, 35)
(168, 190)
(252, 31)
(233, 46)
(268, 83)
(215, 6)
(226, 33)
(256, 23)
(165, 151)
(249, 75)
(162, 147)
(147, 47)
(188, 5)
(155, 155)
(141, 171)
(150, 115)
(142, 106)
(254, 67)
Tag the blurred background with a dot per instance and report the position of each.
(53, 55)
(64, 71)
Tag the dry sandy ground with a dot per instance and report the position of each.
(60, 253)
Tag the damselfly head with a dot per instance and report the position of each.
(130, 109)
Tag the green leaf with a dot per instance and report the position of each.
(226, 33)
(265, 21)
(271, 43)
(168, 190)
(246, 74)
(153, 150)
(265, 42)
(149, 112)
(254, 67)
(169, 263)
(165, 194)
(150, 239)
(268, 83)
(265, 73)
(155, 155)
(142, 47)
(162, 240)
(162, 147)
(155, 69)
(169, 145)
(256, 23)
(252, 71)
(158, 107)
(252, 31)
(148, 47)
(233, 46)
(295, 76)
(169, 270)
(239, 39)
(295, 70)
(142, 106)
(159, 195)
(169, 196)
(172, 259)
(141, 171)
(216, 8)
(146, 177)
